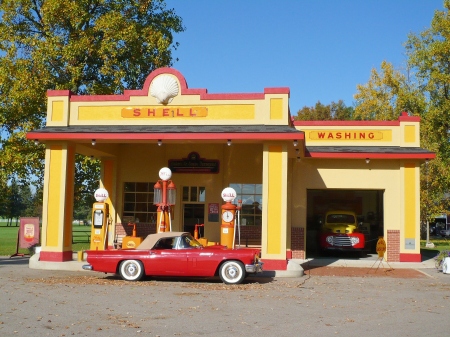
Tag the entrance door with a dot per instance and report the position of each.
(193, 214)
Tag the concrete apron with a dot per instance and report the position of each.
(295, 267)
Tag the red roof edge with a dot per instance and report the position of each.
(184, 90)
(404, 117)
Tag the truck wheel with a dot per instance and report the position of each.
(131, 270)
(232, 272)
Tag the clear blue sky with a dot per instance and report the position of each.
(320, 49)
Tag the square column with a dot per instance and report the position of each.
(410, 233)
(58, 203)
(274, 220)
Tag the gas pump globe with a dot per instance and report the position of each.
(164, 197)
(100, 223)
(228, 218)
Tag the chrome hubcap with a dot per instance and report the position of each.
(232, 272)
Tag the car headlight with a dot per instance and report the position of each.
(354, 240)
(329, 240)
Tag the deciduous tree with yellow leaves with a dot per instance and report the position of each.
(86, 46)
(423, 90)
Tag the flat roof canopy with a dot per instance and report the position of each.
(165, 132)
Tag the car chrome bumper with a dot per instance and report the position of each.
(87, 267)
(254, 268)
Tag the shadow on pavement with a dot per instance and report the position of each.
(16, 260)
(205, 280)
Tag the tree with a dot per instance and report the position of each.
(14, 203)
(320, 112)
(387, 94)
(3, 199)
(423, 91)
(86, 182)
(428, 54)
(86, 46)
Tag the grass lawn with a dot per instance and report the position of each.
(440, 244)
(8, 239)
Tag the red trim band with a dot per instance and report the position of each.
(183, 90)
(410, 257)
(402, 118)
(346, 123)
(56, 256)
(274, 264)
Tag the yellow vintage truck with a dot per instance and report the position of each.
(340, 231)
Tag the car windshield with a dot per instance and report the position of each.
(187, 241)
(340, 218)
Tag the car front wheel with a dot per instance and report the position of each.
(131, 270)
(232, 272)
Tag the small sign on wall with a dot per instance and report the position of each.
(213, 212)
(410, 244)
(193, 163)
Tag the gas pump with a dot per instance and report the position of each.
(164, 197)
(228, 218)
(100, 221)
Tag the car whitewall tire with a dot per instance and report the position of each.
(232, 272)
(131, 270)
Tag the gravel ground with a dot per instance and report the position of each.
(324, 302)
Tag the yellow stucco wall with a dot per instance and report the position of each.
(142, 162)
(273, 109)
(400, 202)
(398, 134)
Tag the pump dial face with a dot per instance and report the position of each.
(227, 216)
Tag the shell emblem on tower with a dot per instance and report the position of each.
(164, 88)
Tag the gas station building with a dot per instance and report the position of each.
(287, 173)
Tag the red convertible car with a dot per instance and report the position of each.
(176, 254)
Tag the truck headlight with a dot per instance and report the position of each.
(354, 240)
(329, 240)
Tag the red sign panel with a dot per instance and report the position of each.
(28, 232)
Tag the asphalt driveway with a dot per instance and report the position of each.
(321, 303)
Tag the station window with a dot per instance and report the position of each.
(251, 196)
(194, 194)
(138, 202)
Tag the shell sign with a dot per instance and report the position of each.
(29, 232)
(101, 195)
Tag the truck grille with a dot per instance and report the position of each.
(340, 241)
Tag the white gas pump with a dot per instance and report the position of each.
(100, 220)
